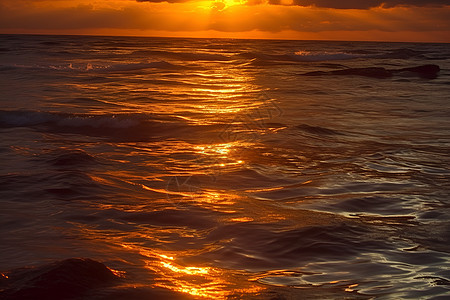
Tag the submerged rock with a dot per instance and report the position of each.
(368, 72)
(425, 71)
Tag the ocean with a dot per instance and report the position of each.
(172, 168)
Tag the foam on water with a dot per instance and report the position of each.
(97, 68)
(317, 57)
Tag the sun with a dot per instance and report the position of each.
(224, 4)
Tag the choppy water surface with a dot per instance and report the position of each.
(205, 168)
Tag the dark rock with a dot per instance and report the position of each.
(368, 72)
(425, 71)
(65, 279)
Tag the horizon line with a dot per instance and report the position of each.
(221, 38)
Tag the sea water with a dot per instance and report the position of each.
(170, 168)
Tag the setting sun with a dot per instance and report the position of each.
(224, 4)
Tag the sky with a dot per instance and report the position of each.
(373, 20)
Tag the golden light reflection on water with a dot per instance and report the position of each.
(199, 281)
(223, 149)
(231, 94)
(205, 282)
(221, 155)
(217, 197)
(225, 91)
(242, 219)
(199, 97)
(233, 89)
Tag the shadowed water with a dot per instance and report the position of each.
(138, 168)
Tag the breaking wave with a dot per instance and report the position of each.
(299, 56)
(98, 68)
(124, 126)
(25, 118)
(323, 56)
(314, 56)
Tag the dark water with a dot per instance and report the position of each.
(223, 169)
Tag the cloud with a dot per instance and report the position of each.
(133, 18)
(158, 16)
(301, 19)
(341, 4)
(359, 4)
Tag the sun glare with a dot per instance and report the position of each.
(224, 4)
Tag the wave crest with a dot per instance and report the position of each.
(324, 56)
(97, 68)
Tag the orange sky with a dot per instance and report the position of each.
(391, 20)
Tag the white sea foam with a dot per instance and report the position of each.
(96, 67)
(323, 56)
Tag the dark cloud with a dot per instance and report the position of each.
(358, 4)
(340, 4)
(245, 18)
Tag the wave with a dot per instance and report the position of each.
(317, 130)
(324, 56)
(300, 56)
(65, 158)
(122, 126)
(137, 66)
(174, 218)
(78, 278)
(402, 53)
(67, 182)
(185, 56)
(314, 56)
(26, 118)
(98, 68)
(251, 246)
(261, 59)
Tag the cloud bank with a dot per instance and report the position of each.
(189, 18)
(361, 4)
